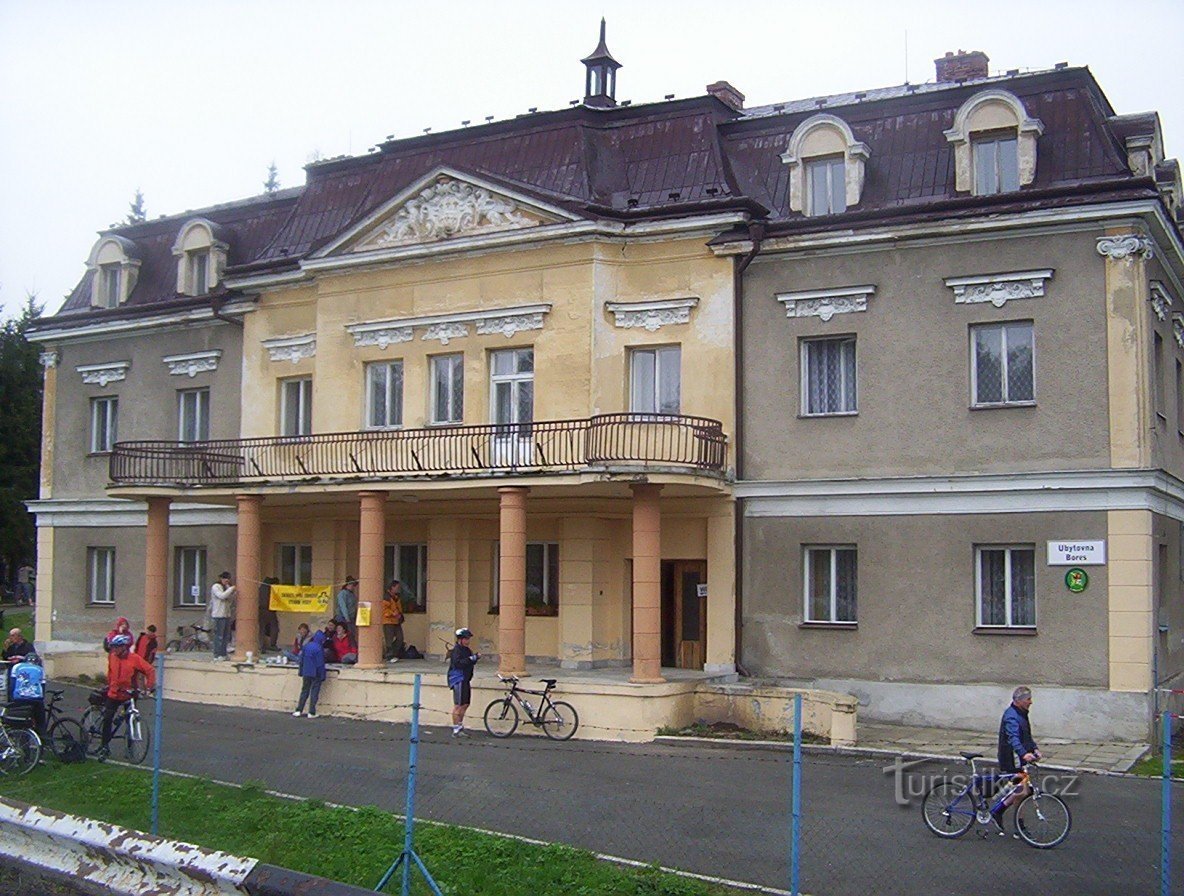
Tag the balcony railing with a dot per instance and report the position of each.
(614, 441)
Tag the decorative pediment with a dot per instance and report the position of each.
(653, 315)
(443, 328)
(826, 303)
(291, 348)
(102, 374)
(192, 364)
(449, 206)
(998, 289)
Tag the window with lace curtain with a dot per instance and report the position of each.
(828, 376)
(830, 584)
(1002, 371)
(1006, 586)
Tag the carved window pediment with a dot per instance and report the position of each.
(826, 303)
(999, 289)
(444, 328)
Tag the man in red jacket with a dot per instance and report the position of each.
(122, 666)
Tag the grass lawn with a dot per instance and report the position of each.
(1152, 766)
(18, 617)
(346, 845)
(729, 731)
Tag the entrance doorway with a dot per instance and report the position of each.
(684, 613)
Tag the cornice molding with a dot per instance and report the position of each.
(998, 289)
(291, 348)
(1126, 248)
(115, 512)
(192, 364)
(446, 327)
(826, 303)
(652, 315)
(102, 374)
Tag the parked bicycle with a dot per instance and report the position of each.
(63, 734)
(20, 748)
(129, 737)
(198, 638)
(558, 720)
(950, 809)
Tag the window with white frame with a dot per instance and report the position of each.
(826, 186)
(1005, 582)
(996, 163)
(1002, 369)
(104, 420)
(448, 388)
(409, 564)
(655, 380)
(100, 575)
(193, 415)
(110, 285)
(190, 576)
(294, 562)
(197, 263)
(828, 376)
(542, 577)
(384, 394)
(296, 407)
(511, 385)
(830, 583)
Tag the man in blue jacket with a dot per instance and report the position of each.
(1016, 746)
(312, 673)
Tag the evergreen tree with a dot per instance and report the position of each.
(136, 213)
(20, 436)
(273, 181)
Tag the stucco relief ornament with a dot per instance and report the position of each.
(997, 294)
(509, 325)
(652, 321)
(446, 332)
(102, 374)
(192, 365)
(1160, 304)
(1125, 248)
(825, 309)
(449, 208)
(49, 359)
(291, 348)
(385, 337)
(1178, 329)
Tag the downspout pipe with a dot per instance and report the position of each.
(216, 304)
(756, 234)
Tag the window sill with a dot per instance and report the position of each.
(97, 605)
(823, 416)
(198, 607)
(837, 626)
(1003, 405)
(443, 424)
(98, 454)
(1163, 419)
(1022, 631)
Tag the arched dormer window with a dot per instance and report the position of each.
(201, 257)
(826, 165)
(115, 267)
(994, 144)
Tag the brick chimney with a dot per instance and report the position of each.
(727, 94)
(962, 66)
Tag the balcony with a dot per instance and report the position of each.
(611, 442)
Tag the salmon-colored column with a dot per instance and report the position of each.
(511, 620)
(647, 584)
(156, 567)
(247, 575)
(371, 542)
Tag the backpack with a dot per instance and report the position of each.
(410, 652)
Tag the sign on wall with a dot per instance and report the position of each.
(1076, 553)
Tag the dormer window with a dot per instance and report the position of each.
(826, 166)
(114, 267)
(994, 144)
(201, 257)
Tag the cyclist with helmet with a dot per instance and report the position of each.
(461, 660)
(122, 666)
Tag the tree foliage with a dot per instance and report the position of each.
(137, 214)
(20, 435)
(273, 179)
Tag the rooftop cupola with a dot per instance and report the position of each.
(600, 86)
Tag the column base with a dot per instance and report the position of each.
(647, 680)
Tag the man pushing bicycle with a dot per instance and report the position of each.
(1016, 746)
(122, 666)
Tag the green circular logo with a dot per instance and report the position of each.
(1076, 580)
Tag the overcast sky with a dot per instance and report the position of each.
(190, 102)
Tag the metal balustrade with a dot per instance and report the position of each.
(614, 441)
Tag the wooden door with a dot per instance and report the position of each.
(690, 613)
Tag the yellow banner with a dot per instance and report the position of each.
(363, 617)
(300, 598)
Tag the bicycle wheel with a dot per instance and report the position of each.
(501, 717)
(1042, 820)
(136, 738)
(92, 730)
(559, 721)
(63, 734)
(22, 753)
(947, 809)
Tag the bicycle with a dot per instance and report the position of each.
(126, 726)
(558, 719)
(20, 748)
(949, 809)
(62, 733)
(198, 639)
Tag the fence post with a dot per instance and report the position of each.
(1165, 847)
(795, 836)
(157, 728)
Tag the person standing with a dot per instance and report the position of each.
(1016, 746)
(16, 648)
(24, 584)
(28, 689)
(122, 667)
(347, 606)
(269, 620)
(312, 675)
(392, 622)
(461, 662)
(122, 627)
(222, 612)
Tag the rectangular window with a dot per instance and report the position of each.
(193, 415)
(190, 567)
(448, 389)
(199, 272)
(511, 385)
(384, 394)
(655, 380)
(1006, 586)
(104, 419)
(1158, 372)
(996, 165)
(542, 577)
(110, 285)
(409, 564)
(826, 186)
(1003, 368)
(828, 376)
(830, 584)
(100, 575)
(296, 407)
(295, 564)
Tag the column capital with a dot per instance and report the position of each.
(513, 490)
(249, 499)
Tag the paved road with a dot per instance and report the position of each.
(712, 810)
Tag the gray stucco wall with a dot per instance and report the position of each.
(913, 364)
(916, 602)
